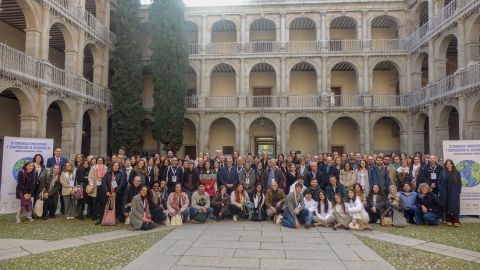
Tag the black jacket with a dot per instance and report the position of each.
(430, 201)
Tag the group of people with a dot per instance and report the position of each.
(339, 191)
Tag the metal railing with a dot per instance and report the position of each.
(451, 85)
(387, 100)
(17, 65)
(222, 102)
(346, 101)
(74, 13)
(148, 103)
(304, 101)
(263, 101)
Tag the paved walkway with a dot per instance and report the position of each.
(13, 248)
(255, 245)
(454, 252)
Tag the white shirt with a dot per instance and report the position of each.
(292, 187)
(311, 205)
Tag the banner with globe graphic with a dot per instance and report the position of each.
(466, 156)
(17, 151)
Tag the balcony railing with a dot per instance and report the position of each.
(222, 102)
(304, 101)
(191, 102)
(148, 103)
(77, 15)
(263, 101)
(448, 86)
(387, 100)
(346, 101)
(17, 65)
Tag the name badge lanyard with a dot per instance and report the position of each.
(433, 175)
(174, 176)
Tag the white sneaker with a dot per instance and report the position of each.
(235, 218)
(279, 219)
(17, 221)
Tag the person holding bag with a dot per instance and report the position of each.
(81, 178)
(110, 184)
(177, 206)
(67, 179)
(49, 185)
(95, 190)
(140, 214)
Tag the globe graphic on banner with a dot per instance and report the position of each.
(470, 172)
(18, 166)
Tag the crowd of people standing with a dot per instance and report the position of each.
(348, 191)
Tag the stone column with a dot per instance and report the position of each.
(78, 127)
(365, 33)
(28, 125)
(409, 86)
(366, 124)
(97, 74)
(462, 117)
(243, 36)
(431, 128)
(33, 41)
(204, 33)
(472, 52)
(325, 132)
(71, 62)
(461, 52)
(103, 131)
(366, 78)
(203, 91)
(42, 112)
(68, 136)
(431, 8)
(410, 133)
(440, 68)
(431, 62)
(283, 32)
(324, 34)
(95, 134)
(283, 132)
(284, 92)
(242, 134)
(45, 32)
(324, 88)
(201, 133)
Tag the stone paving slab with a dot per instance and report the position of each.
(13, 243)
(295, 246)
(210, 252)
(157, 262)
(54, 245)
(13, 253)
(179, 247)
(260, 253)
(396, 239)
(365, 253)
(195, 261)
(300, 264)
(368, 265)
(310, 254)
(345, 253)
(222, 237)
(224, 244)
(271, 239)
(343, 239)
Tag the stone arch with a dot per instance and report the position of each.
(190, 138)
(381, 60)
(29, 12)
(354, 65)
(223, 80)
(305, 26)
(421, 133)
(268, 80)
(345, 132)
(384, 22)
(65, 107)
(420, 70)
(312, 62)
(303, 79)
(223, 31)
(391, 140)
(390, 69)
(92, 65)
(266, 29)
(340, 26)
(262, 126)
(293, 17)
(398, 119)
(210, 70)
(221, 137)
(303, 134)
(421, 14)
(474, 113)
(340, 76)
(443, 113)
(67, 33)
(262, 61)
(23, 94)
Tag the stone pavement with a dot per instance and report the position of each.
(13, 248)
(257, 245)
(454, 252)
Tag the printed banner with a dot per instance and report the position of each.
(17, 151)
(466, 156)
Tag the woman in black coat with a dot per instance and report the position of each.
(429, 205)
(26, 188)
(81, 178)
(114, 183)
(128, 195)
(450, 189)
(155, 203)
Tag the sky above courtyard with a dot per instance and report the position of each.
(193, 3)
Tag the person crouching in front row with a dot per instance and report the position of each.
(140, 218)
(294, 211)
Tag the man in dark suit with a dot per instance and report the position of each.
(173, 175)
(272, 174)
(315, 173)
(57, 159)
(228, 176)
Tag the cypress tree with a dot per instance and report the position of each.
(127, 80)
(169, 66)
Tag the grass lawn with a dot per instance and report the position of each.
(402, 257)
(466, 237)
(113, 254)
(52, 229)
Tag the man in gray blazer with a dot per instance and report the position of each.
(294, 208)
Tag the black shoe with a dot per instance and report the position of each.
(334, 228)
(81, 217)
(53, 216)
(98, 222)
(45, 218)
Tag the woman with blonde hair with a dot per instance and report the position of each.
(67, 179)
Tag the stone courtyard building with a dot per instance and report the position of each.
(314, 76)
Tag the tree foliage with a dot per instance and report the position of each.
(169, 66)
(127, 80)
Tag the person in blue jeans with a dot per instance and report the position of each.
(407, 204)
(429, 206)
(294, 211)
(310, 206)
(200, 203)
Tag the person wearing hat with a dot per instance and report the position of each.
(190, 179)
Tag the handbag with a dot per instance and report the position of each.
(399, 220)
(387, 221)
(200, 217)
(38, 208)
(109, 213)
(89, 189)
(176, 220)
(77, 192)
(127, 220)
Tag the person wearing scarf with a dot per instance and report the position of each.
(178, 203)
(190, 178)
(128, 195)
(140, 218)
(48, 187)
(67, 179)
(221, 204)
(97, 194)
(27, 182)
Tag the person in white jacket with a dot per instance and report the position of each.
(310, 205)
(323, 212)
(356, 210)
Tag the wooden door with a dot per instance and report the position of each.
(339, 149)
